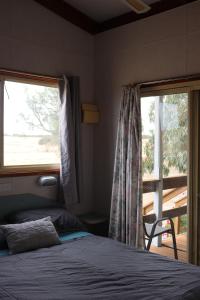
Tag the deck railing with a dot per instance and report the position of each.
(168, 183)
(178, 185)
(171, 213)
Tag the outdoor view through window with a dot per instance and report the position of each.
(172, 113)
(31, 134)
(165, 155)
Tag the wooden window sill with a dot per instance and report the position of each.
(17, 172)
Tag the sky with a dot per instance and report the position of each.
(145, 108)
(14, 104)
(170, 118)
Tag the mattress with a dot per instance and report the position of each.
(92, 267)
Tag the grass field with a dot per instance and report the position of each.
(28, 150)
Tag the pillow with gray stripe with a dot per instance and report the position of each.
(62, 219)
(30, 235)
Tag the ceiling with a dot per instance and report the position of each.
(102, 10)
(95, 16)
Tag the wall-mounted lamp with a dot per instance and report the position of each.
(47, 180)
(90, 114)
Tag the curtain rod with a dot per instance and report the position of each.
(26, 75)
(166, 81)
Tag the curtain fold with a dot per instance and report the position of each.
(126, 200)
(70, 118)
(194, 178)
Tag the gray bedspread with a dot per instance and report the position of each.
(96, 268)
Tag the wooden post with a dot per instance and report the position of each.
(177, 225)
(158, 162)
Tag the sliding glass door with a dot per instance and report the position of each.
(165, 161)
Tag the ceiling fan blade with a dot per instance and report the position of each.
(138, 6)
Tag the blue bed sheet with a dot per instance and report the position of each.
(74, 235)
(63, 238)
(4, 252)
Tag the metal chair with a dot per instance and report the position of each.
(153, 230)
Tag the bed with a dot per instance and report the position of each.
(86, 266)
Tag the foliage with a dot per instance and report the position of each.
(43, 113)
(174, 135)
(183, 223)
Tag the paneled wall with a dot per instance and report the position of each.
(34, 40)
(162, 46)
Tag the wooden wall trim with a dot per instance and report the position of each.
(29, 173)
(71, 14)
(6, 74)
(156, 8)
(170, 83)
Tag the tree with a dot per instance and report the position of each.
(174, 135)
(42, 113)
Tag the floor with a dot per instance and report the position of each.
(165, 250)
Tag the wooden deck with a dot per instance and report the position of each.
(165, 250)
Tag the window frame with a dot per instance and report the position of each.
(159, 183)
(23, 170)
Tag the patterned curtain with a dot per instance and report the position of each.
(70, 118)
(126, 202)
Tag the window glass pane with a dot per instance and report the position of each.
(30, 124)
(165, 146)
(148, 201)
(148, 135)
(175, 134)
(173, 199)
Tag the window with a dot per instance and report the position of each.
(175, 134)
(30, 127)
(170, 112)
(148, 136)
(165, 158)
